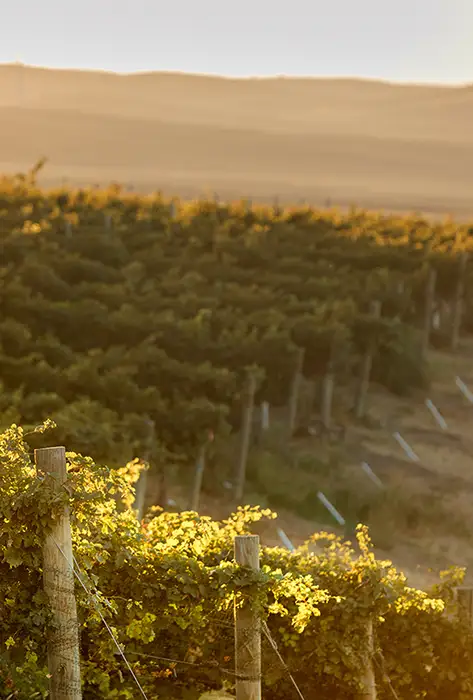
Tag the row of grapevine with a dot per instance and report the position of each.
(164, 586)
(119, 309)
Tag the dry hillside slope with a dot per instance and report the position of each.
(378, 144)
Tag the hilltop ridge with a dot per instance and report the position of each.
(348, 140)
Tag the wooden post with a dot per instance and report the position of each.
(264, 416)
(306, 402)
(58, 581)
(140, 492)
(295, 388)
(368, 677)
(142, 485)
(360, 403)
(458, 305)
(327, 396)
(247, 420)
(198, 477)
(429, 307)
(464, 598)
(247, 628)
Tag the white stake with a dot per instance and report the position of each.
(464, 389)
(285, 540)
(371, 475)
(436, 414)
(331, 509)
(406, 447)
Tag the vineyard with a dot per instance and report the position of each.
(116, 307)
(136, 327)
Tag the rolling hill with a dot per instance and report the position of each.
(372, 143)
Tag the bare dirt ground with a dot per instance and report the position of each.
(348, 141)
(442, 478)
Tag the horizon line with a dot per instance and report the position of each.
(221, 76)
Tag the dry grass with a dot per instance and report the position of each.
(439, 488)
(444, 477)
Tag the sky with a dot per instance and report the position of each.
(398, 40)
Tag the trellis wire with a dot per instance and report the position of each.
(283, 663)
(380, 664)
(75, 570)
(215, 664)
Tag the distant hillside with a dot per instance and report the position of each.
(378, 144)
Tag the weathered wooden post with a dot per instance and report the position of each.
(247, 420)
(464, 598)
(327, 398)
(142, 485)
(198, 477)
(429, 308)
(265, 416)
(58, 581)
(295, 389)
(247, 628)
(458, 305)
(363, 387)
(306, 402)
(140, 492)
(368, 677)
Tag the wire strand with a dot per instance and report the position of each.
(278, 654)
(97, 607)
(380, 664)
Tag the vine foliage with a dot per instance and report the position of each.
(116, 307)
(166, 584)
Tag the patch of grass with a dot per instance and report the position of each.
(391, 513)
(294, 486)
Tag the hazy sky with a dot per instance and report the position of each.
(408, 40)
